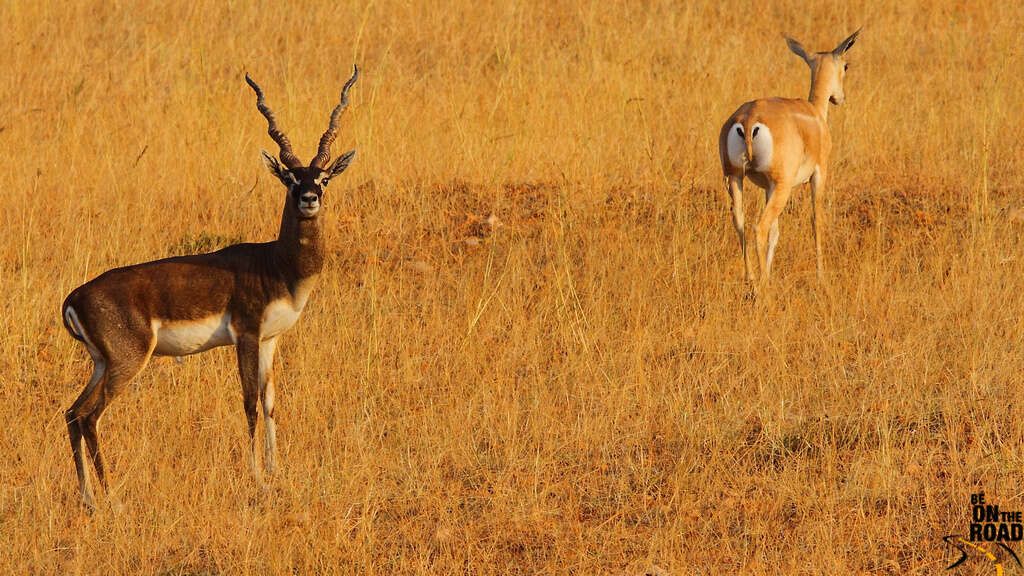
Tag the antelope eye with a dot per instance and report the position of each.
(846, 67)
(323, 183)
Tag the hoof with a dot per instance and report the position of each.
(88, 504)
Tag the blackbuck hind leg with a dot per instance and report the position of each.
(777, 194)
(266, 378)
(119, 373)
(734, 183)
(773, 234)
(249, 370)
(817, 191)
(75, 429)
(111, 371)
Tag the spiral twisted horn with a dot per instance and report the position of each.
(323, 154)
(287, 156)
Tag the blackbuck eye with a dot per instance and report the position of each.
(323, 183)
(846, 67)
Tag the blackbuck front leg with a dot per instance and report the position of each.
(817, 191)
(249, 370)
(735, 190)
(267, 348)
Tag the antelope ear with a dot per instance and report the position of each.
(274, 166)
(846, 44)
(341, 164)
(798, 49)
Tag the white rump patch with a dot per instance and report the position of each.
(190, 337)
(761, 147)
(736, 146)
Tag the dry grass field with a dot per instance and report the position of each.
(531, 351)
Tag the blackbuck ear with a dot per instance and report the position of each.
(846, 44)
(275, 167)
(341, 164)
(798, 49)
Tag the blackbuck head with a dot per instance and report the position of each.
(828, 69)
(306, 184)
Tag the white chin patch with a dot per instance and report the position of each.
(309, 211)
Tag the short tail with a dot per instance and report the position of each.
(71, 323)
(759, 144)
(749, 144)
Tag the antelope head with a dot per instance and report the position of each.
(306, 184)
(828, 69)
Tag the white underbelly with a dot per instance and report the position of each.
(181, 338)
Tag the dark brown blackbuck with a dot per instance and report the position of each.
(245, 295)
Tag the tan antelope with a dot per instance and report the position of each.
(244, 295)
(779, 143)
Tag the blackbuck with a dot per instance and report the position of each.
(245, 295)
(779, 143)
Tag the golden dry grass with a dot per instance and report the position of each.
(580, 389)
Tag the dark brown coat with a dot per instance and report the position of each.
(244, 295)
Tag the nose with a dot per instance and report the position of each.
(309, 198)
